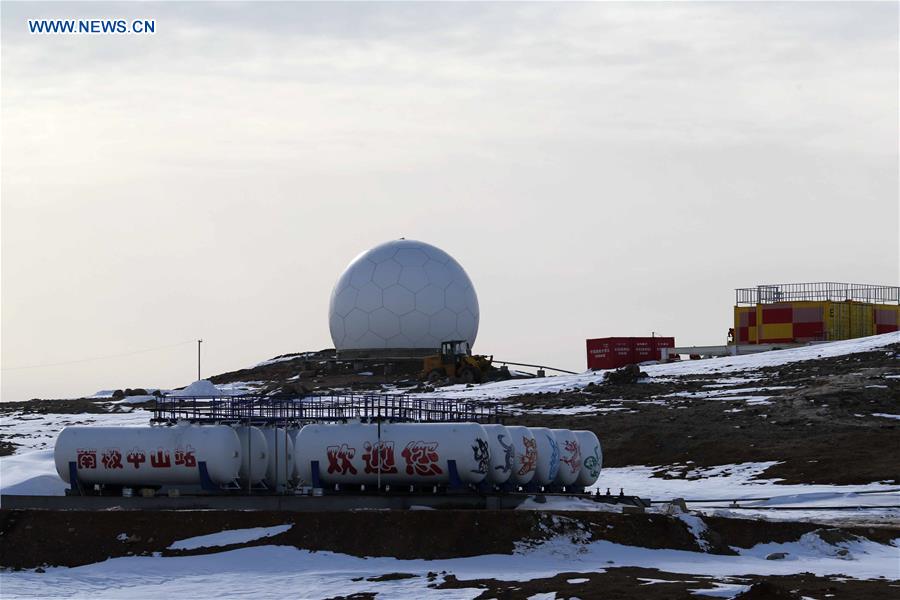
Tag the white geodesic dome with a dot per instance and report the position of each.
(402, 294)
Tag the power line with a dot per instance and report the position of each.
(82, 360)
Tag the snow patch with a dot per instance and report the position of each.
(31, 474)
(697, 527)
(231, 536)
(886, 416)
(203, 387)
(256, 571)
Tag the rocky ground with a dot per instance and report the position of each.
(627, 583)
(818, 419)
(437, 535)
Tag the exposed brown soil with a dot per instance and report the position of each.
(822, 430)
(403, 534)
(627, 583)
(44, 407)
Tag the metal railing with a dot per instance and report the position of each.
(817, 292)
(263, 410)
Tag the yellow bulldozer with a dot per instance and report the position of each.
(455, 360)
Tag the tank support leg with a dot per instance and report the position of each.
(314, 469)
(532, 486)
(455, 482)
(206, 481)
(74, 481)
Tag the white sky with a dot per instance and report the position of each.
(598, 169)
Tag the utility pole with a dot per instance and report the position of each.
(198, 358)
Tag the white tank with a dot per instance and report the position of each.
(547, 456)
(406, 453)
(148, 456)
(280, 467)
(569, 457)
(503, 453)
(254, 454)
(292, 433)
(592, 458)
(526, 454)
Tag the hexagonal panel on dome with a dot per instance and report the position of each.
(414, 325)
(361, 272)
(387, 273)
(345, 301)
(430, 299)
(336, 327)
(411, 257)
(399, 300)
(382, 253)
(456, 297)
(466, 324)
(356, 324)
(438, 274)
(413, 278)
(384, 323)
(369, 297)
(402, 294)
(371, 340)
(443, 324)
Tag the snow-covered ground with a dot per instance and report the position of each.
(31, 474)
(712, 490)
(722, 365)
(31, 470)
(35, 431)
(272, 571)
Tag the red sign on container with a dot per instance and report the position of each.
(615, 352)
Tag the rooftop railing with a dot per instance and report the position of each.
(265, 410)
(817, 292)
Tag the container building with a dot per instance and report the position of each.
(814, 312)
(615, 352)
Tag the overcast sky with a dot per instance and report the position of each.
(598, 169)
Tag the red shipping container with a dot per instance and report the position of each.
(615, 352)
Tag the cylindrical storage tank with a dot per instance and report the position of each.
(591, 458)
(148, 456)
(280, 467)
(405, 453)
(569, 456)
(254, 454)
(526, 454)
(292, 433)
(503, 453)
(547, 456)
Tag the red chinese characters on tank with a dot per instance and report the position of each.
(379, 457)
(339, 459)
(185, 456)
(136, 457)
(421, 459)
(111, 459)
(87, 459)
(160, 459)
